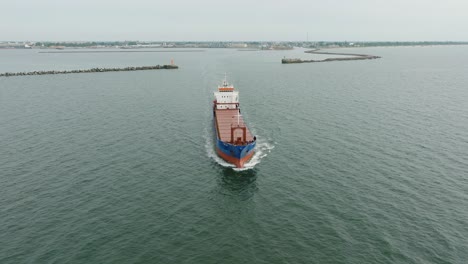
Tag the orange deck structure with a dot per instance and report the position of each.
(231, 127)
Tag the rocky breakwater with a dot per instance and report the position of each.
(353, 57)
(93, 70)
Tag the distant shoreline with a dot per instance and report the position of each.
(262, 45)
(118, 51)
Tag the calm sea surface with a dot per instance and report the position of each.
(357, 162)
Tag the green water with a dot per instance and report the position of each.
(357, 162)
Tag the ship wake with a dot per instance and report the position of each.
(262, 150)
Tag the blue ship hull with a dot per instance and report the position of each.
(234, 154)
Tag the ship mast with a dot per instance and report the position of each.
(225, 83)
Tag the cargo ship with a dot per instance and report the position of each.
(234, 141)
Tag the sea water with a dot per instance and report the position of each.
(357, 161)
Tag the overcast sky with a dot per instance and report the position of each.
(242, 20)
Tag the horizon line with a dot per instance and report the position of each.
(133, 40)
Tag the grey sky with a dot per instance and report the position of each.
(240, 20)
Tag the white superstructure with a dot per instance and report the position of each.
(226, 97)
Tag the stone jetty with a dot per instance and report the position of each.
(353, 57)
(140, 68)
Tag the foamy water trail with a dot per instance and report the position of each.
(262, 150)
